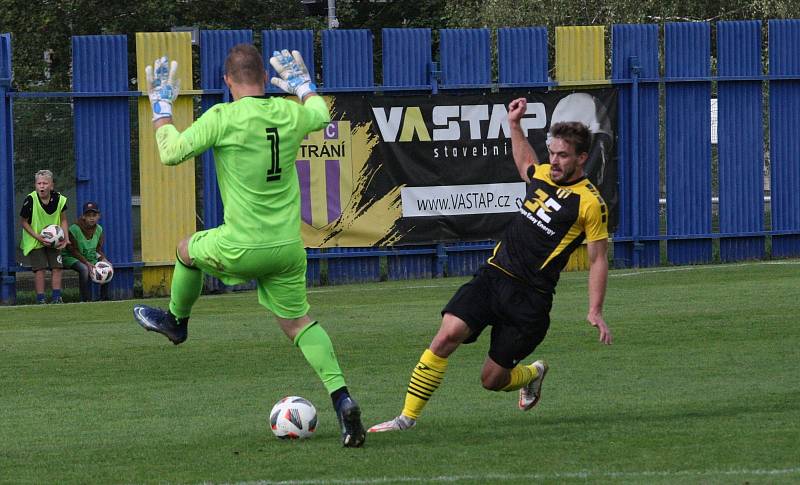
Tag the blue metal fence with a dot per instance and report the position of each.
(635, 57)
(522, 55)
(464, 61)
(347, 59)
(784, 118)
(7, 226)
(406, 58)
(102, 147)
(740, 140)
(688, 140)
(465, 57)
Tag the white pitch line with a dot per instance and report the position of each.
(654, 271)
(393, 288)
(700, 267)
(564, 276)
(642, 272)
(535, 476)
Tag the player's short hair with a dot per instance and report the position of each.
(43, 174)
(573, 132)
(244, 65)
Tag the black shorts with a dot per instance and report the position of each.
(518, 314)
(45, 258)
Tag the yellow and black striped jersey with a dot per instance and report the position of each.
(553, 220)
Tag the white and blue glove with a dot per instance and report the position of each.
(162, 86)
(294, 77)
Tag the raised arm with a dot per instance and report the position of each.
(524, 156)
(162, 89)
(163, 86)
(598, 278)
(294, 78)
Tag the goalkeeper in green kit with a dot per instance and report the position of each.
(255, 140)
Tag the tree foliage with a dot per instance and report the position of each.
(508, 13)
(41, 30)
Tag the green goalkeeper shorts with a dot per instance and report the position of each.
(279, 271)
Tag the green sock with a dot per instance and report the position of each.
(187, 283)
(317, 348)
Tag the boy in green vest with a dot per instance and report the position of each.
(85, 249)
(41, 208)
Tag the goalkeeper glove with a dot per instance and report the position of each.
(294, 77)
(162, 86)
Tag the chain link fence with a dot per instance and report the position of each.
(44, 139)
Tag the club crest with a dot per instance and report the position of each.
(325, 172)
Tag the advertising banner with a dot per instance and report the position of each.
(422, 169)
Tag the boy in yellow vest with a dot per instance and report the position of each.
(41, 208)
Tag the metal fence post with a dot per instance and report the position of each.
(637, 245)
(8, 279)
(441, 261)
(434, 75)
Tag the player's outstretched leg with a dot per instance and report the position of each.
(163, 322)
(425, 379)
(531, 393)
(349, 415)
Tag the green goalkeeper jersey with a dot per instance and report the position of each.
(255, 142)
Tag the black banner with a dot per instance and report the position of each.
(393, 170)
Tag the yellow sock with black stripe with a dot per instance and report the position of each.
(521, 375)
(425, 379)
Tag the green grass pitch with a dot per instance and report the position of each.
(700, 386)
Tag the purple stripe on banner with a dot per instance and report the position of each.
(332, 190)
(304, 177)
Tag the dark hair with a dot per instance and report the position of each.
(244, 65)
(573, 132)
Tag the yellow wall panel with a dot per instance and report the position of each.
(167, 193)
(578, 260)
(580, 55)
(580, 60)
(156, 280)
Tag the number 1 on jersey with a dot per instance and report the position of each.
(274, 172)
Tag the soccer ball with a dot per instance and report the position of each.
(53, 234)
(103, 272)
(293, 418)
